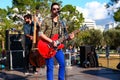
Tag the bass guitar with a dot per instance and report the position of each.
(35, 58)
(48, 51)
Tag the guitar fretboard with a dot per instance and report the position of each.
(66, 38)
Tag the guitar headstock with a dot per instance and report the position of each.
(83, 28)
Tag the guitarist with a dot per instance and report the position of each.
(28, 31)
(52, 25)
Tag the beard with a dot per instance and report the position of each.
(27, 22)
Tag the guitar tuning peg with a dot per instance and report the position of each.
(83, 28)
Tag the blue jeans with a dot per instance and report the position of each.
(50, 66)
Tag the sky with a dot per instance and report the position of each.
(80, 3)
(91, 9)
(95, 10)
(5, 3)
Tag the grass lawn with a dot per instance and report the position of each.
(110, 62)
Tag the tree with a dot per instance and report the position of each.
(89, 37)
(73, 19)
(41, 7)
(4, 25)
(117, 27)
(117, 16)
(94, 38)
(115, 9)
(112, 37)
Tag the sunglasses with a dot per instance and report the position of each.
(55, 9)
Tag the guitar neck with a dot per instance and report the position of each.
(63, 38)
(34, 33)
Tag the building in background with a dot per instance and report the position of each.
(102, 25)
(90, 23)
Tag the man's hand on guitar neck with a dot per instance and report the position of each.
(29, 36)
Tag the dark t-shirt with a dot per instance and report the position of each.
(28, 29)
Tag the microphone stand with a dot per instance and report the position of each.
(65, 31)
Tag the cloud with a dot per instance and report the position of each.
(94, 10)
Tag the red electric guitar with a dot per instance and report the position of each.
(48, 51)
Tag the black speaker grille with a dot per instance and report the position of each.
(15, 40)
(88, 54)
(15, 59)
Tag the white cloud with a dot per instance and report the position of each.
(94, 10)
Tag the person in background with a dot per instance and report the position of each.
(71, 49)
(73, 54)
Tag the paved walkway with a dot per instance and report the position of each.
(72, 73)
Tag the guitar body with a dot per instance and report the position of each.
(46, 50)
(36, 59)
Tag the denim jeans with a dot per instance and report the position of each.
(50, 66)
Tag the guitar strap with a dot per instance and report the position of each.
(52, 28)
(63, 27)
(65, 33)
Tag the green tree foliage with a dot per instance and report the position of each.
(73, 17)
(117, 27)
(112, 37)
(89, 37)
(117, 16)
(38, 6)
(94, 38)
(21, 7)
(4, 25)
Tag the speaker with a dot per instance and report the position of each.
(93, 57)
(118, 66)
(84, 50)
(15, 59)
(88, 56)
(14, 40)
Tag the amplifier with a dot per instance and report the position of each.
(15, 59)
(14, 40)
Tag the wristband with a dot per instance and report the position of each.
(52, 42)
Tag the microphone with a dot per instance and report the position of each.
(59, 12)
